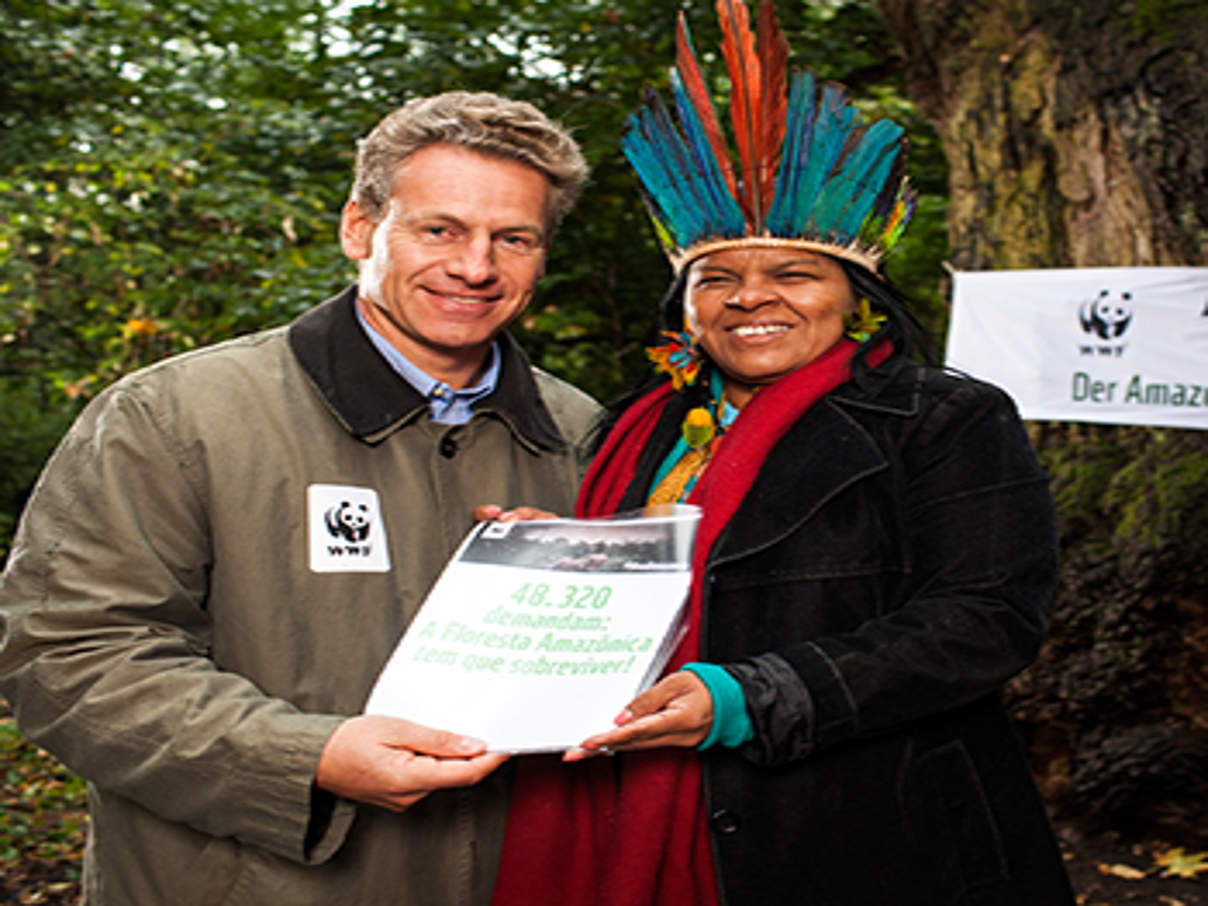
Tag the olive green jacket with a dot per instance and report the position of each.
(213, 567)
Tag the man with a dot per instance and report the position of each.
(228, 544)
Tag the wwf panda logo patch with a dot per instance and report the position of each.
(1107, 315)
(348, 521)
(345, 530)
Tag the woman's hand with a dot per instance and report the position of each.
(491, 511)
(676, 711)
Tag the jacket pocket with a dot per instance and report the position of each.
(954, 814)
(136, 858)
(211, 877)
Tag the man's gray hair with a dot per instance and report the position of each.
(482, 122)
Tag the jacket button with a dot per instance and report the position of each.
(724, 821)
(448, 447)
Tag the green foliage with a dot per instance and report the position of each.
(172, 173)
(1140, 494)
(42, 815)
(1162, 495)
(1162, 16)
(156, 193)
(29, 428)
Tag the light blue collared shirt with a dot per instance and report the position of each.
(448, 406)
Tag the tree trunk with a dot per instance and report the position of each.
(1075, 132)
(1077, 136)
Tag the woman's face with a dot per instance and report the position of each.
(761, 313)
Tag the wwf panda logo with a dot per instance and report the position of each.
(1105, 316)
(348, 521)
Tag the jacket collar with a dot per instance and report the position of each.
(824, 453)
(894, 388)
(371, 400)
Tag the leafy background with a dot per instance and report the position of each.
(172, 173)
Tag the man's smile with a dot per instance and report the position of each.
(462, 298)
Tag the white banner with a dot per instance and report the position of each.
(1121, 345)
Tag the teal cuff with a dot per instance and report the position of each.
(731, 724)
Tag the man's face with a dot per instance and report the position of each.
(455, 258)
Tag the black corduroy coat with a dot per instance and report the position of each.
(893, 564)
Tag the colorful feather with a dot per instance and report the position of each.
(798, 128)
(809, 167)
(746, 85)
(701, 102)
(859, 178)
(820, 154)
(773, 60)
(878, 219)
(699, 182)
(902, 213)
(679, 357)
(724, 210)
(685, 190)
(645, 148)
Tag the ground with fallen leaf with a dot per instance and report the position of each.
(43, 820)
(1108, 870)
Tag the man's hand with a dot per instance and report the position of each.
(676, 711)
(490, 511)
(395, 763)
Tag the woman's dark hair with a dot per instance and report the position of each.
(901, 328)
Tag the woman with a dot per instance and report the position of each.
(875, 558)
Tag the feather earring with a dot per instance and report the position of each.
(861, 324)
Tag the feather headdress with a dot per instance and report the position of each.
(810, 172)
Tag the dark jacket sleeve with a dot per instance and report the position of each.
(970, 610)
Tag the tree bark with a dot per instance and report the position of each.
(1076, 135)
(1075, 132)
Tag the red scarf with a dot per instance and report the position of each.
(587, 833)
